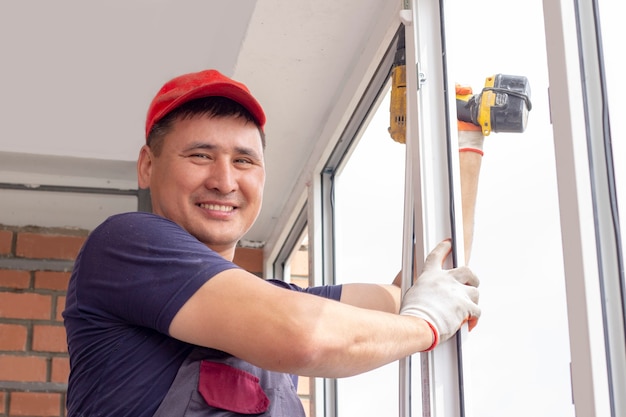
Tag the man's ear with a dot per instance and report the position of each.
(144, 166)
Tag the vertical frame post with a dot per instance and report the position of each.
(434, 195)
(589, 251)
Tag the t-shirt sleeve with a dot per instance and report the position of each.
(141, 268)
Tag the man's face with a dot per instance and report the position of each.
(208, 178)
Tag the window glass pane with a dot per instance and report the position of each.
(296, 271)
(519, 352)
(369, 199)
(613, 33)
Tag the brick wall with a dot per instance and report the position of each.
(35, 265)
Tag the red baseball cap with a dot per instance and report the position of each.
(201, 84)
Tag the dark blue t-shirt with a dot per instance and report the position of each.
(132, 275)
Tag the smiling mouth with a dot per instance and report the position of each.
(217, 207)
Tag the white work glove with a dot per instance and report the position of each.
(445, 299)
(470, 136)
(470, 140)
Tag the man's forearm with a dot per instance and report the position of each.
(378, 297)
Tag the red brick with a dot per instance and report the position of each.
(250, 259)
(42, 246)
(41, 404)
(60, 370)
(51, 280)
(22, 368)
(60, 308)
(13, 337)
(25, 306)
(12, 278)
(49, 338)
(6, 241)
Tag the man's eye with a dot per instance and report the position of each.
(243, 161)
(199, 155)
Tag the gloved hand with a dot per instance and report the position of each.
(470, 135)
(444, 298)
(470, 138)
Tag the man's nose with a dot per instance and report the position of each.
(222, 177)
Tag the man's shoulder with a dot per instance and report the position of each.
(132, 230)
(136, 222)
(133, 217)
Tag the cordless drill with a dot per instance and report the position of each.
(397, 103)
(502, 105)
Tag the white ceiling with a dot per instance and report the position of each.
(78, 76)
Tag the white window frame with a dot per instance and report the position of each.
(590, 252)
(590, 255)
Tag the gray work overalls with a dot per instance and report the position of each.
(216, 384)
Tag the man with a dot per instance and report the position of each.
(159, 320)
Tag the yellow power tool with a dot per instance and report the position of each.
(501, 106)
(397, 104)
